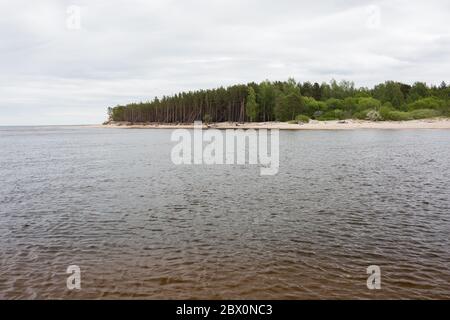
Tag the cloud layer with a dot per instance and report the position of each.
(54, 73)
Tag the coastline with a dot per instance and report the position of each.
(438, 123)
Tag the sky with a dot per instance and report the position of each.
(65, 62)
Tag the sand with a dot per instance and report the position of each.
(441, 123)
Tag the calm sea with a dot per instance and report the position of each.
(138, 226)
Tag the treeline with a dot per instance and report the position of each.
(292, 101)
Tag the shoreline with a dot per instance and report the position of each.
(438, 123)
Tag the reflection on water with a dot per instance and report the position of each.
(112, 202)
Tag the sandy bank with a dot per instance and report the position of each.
(312, 125)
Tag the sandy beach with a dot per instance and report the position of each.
(441, 123)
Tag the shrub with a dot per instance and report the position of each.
(426, 103)
(312, 106)
(384, 111)
(350, 104)
(337, 114)
(359, 115)
(368, 103)
(368, 114)
(399, 116)
(330, 115)
(334, 103)
(317, 114)
(424, 113)
(302, 118)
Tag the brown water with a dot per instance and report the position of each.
(111, 202)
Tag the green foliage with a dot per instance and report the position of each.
(337, 114)
(424, 113)
(312, 106)
(426, 103)
(289, 106)
(117, 113)
(334, 104)
(251, 107)
(369, 103)
(302, 118)
(284, 100)
(266, 98)
(398, 116)
(389, 91)
(385, 110)
(360, 115)
(342, 90)
(415, 114)
(418, 91)
(350, 104)
(368, 114)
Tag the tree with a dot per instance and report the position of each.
(325, 91)
(389, 91)
(311, 106)
(316, 91)
(266, 99)
(418, 91)
(307, 89)
(251, 107)
(284, 100)
(369, 103)
(289, 106)
(394, 94)
(342, 90)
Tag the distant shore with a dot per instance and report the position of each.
(439, 123)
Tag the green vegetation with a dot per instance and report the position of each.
(398, 116)
(424, 113)
(302, 118)
(251, 106)
(292, 101)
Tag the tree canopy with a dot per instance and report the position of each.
(286, 100)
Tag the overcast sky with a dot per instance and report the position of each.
(58, 67)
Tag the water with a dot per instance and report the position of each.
(111, 202)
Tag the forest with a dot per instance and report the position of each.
(292, 101)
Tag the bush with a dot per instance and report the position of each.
(312, 105)
(302, 118)
(334, 104)
(388, 105)
(368, 114)
(337, 114)
(351, 104)
(359, 115)
(399, 116)
(330, 115)
(424, 113)
(368, 103)
(384, 111)
(317, 114)
(426, 103)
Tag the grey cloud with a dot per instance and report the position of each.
(135, 50)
